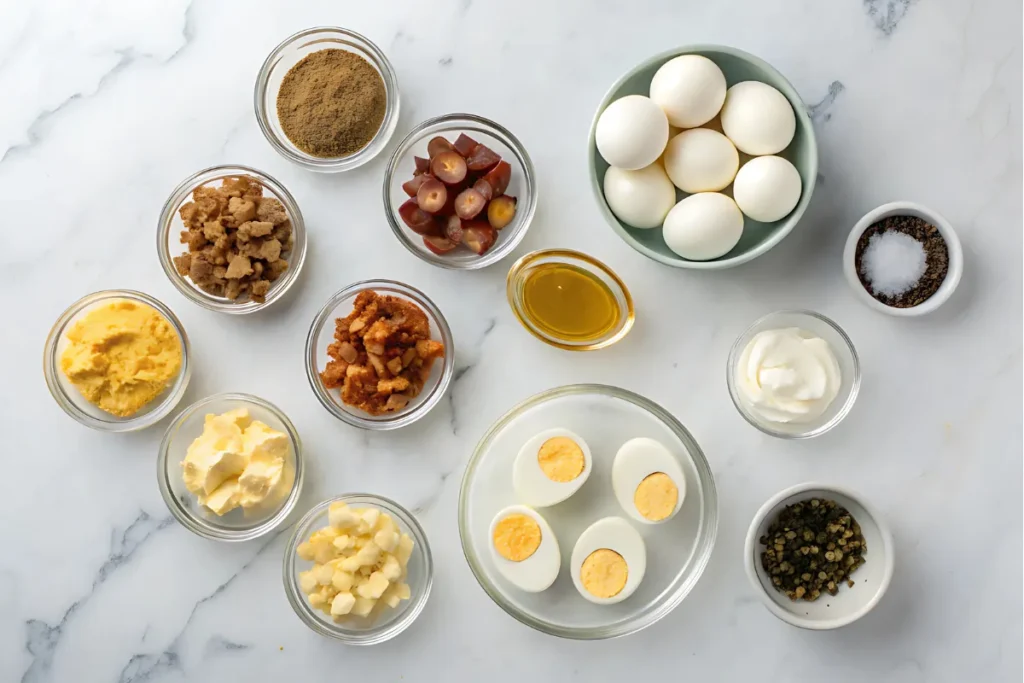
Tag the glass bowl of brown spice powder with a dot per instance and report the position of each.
(327, 99)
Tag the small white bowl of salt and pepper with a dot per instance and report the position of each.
(898, 262)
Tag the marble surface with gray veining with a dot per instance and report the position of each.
(106, 105)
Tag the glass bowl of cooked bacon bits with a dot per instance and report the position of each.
(460, 192)
(379, 355)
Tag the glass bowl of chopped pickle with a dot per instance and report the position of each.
(358, 568)
(805, 578)
(231, 239)
(325, 134)
(230, 467)
(117, 361)
(460, 191)
(379, 355)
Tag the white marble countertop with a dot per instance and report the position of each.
(107, 105)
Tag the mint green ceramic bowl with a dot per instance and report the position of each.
(802, 152)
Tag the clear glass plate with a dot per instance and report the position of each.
(606, 417)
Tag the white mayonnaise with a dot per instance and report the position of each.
(788, 375)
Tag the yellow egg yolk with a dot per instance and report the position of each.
(561, 459)
(516, 537)
(121, 356)
(656, 497)
(604, 573)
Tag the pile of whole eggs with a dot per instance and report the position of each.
(656, 144)
(609, 559)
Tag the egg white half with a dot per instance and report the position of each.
(613, 533)
(537, 572)
(532, 486)
(636, 460)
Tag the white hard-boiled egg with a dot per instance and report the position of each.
(767, 188)
(703, 226)
(648, 481)
(640, 198)
(690, 89)
(631, 132)
(524, 548)
(701, 160)
(550, 467)
(608, 561)
(758, 118)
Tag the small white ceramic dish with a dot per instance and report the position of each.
(956, 257)
(870, 579)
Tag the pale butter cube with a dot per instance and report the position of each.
(307, 582)
(404, 551)
(341, 516)
(386, 540)
(350, 564)
(324, 575)
(306, 551)
(343, 542)
(402, 591)
(392, 570)
(391, 600)
(374, 586)
(342, 581)
(316, 600)
(342, 604)
(370, 516)
(385, 523)
(324, 535)
(363, 606)
(368, 554)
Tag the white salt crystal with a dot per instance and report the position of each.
(893, 262)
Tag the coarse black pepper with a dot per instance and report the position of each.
(811, 547)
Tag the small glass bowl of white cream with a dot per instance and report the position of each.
(793, 374)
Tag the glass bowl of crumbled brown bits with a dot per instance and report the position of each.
(231, 239)
(819, 556)
(379, 355)
(327, 99)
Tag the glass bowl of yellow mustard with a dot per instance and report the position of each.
(117, 361)
(230, 467)
(569, 300)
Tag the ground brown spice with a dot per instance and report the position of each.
(331, 103)
(937, 259)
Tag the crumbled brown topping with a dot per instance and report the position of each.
(382, 354)
(237, 239)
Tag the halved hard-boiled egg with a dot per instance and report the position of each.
(525, 549)
(609, 561)
(648, 481)
(550, 467)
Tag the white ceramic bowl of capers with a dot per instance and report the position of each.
(850, 602)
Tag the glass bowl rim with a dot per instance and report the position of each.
(67, 403)
(803, 119)
(500, 251)
(402, 418)
(202, 527)
(192, 292)
(704, 544)
(331, 164)
(567, 255)
(321, 626)
(812, 431)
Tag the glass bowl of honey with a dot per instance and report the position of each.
(569, 300)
